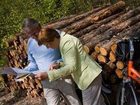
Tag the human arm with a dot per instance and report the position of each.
(69, 53)
(57, 64)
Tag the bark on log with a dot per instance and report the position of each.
(64, 23)
(129, 32)
(95, 26)
(95, 17)
(101, 45)
(113, 31)
(118, 20)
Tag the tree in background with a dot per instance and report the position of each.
(12, 12)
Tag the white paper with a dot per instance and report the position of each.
(19, 73)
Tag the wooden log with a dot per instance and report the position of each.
(118, 20)
(88, 36)
(94, 55)
(95, 26)
(34, 93)
(32, 83)
(113, 47)
(103, 44)
(95, 17)
(112, 56)
(86, 49)
(102, 59)
(116, 7)
(111, 44)
(123, 25)
(97, 48)
(64, 23)
(38, 83)
(120, 65)
(108, 35)
(109, 67)
(114, 22)
(106, 47)
(119, 73)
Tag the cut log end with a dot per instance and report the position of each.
(101, 58)
(103, 51)
(86, 49)
(119, 73)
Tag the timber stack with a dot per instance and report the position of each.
(18, 58)
(99, 30)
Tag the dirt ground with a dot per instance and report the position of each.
(19, 98)
(10, 99)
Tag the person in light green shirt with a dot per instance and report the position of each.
(83, 69)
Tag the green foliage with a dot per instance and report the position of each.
(3, 60)
(12, 12)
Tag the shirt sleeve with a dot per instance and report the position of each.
(32, 66)
(70, 61)
(59, 60)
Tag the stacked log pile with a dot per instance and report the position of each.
(99, 30)
(18, 58)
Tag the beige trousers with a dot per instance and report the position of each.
(92, 95)
(53, 90)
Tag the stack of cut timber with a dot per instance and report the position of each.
(99, 30)
(18, 58)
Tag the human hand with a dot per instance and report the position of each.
(54, 66)
(41, 75)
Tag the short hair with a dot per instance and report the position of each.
(30, 23)
(48, 35)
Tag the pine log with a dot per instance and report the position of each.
(116, 7)
(95, 17)
(97, 49)
(118, 28)
(119, 73)
(109, 66)
(34, 93)
(118, 20)
(94, 55)
(96, 25)
(102, 51)
(120, 65)
(86, 49)
(102, 59)
(38, 83)
(113, 31)
(64, 23)
(100, 29)
(111, 44)
(113, 47)
(112, 56)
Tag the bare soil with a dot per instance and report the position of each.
(7, 98)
